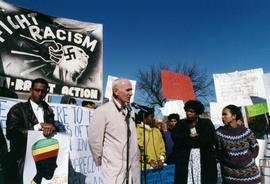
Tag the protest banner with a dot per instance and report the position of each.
(262, 150)
(240, 87)
(174, 106)
(257, 109)
(46, 158)
(266, 81)
(73, 120)
(176, 86)
(265, 165)
(216, 113)
(68, 53)
(160, 176)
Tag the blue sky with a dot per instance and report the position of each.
(218, 35)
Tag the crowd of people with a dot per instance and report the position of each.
(34, 114)
(124, 144)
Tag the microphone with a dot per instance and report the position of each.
(137, 106)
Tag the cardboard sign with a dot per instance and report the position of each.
(176, 86)
(239, 87)
(44, 153)
(257, 109)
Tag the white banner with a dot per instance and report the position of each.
(239, 87)
(266, 81)
(174, 106)
(216, 113)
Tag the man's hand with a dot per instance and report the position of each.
(160, 164)
(194, 135)
(47, 128)
(153, 164)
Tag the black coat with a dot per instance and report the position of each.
(20, 119)
(3, 151)
(205, 141)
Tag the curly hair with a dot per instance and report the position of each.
(196, 105)
(173, 116)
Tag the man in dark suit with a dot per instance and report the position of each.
(35, 114)
(3, 154)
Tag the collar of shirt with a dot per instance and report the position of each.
(120, 108)
(35, 106)
(118, 105)
(38, 111)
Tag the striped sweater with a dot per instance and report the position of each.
(237, 150)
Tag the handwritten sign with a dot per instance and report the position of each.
(266, 81)
(238, 87)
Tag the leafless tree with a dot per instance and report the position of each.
(150, 86)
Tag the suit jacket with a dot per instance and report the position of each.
(108, 144)
(20, 119)
(3, 151)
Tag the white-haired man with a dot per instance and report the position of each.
(108, 137)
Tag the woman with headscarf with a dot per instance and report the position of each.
(237, 149)
(194, 150)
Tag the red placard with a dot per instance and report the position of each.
(176, 86)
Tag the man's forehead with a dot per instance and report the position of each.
(125, 84)
(39, 84)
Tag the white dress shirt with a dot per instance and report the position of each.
(39, 113)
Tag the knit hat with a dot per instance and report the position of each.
(45, 148)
